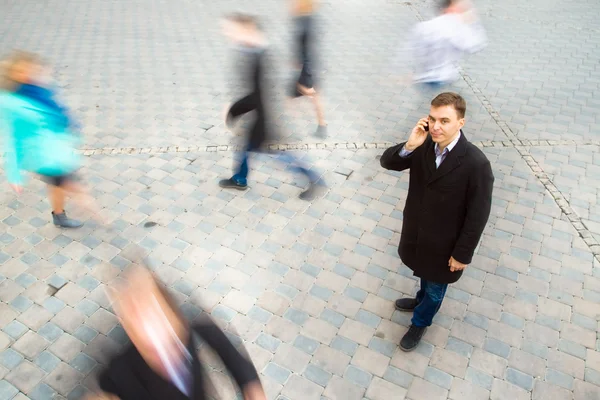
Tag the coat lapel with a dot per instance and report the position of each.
(430, 159)
(452, 160)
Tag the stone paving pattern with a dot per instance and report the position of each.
(309, 288)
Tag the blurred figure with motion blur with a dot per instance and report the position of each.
(244, 31)
(304, 20)
(161, 362)
(39, 136)
(436, 46)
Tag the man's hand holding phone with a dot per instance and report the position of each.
(418, 135)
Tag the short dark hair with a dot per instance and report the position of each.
(451, 99)
(444, 4)
(243, 19)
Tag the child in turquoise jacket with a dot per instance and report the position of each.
(37, 136)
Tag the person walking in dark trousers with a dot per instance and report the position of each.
(304, 19)
(448, 205)
(244, 31)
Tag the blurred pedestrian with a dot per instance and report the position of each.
(244, 31)
(303, 14)
(40, 136)
(434, 48)
(161, 361)
(447, 207)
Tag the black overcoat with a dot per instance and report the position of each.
(446, 208)
(130, 378)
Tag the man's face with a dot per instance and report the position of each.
(444, 124)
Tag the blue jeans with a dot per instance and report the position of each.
(430, 298)
(241, 176)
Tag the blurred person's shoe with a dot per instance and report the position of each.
(232, 184)
(411, 339)
(321, 131)
(406, 304)
(61, 220)
(304, 91)
(314, 190)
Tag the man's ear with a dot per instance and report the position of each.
(461, 123)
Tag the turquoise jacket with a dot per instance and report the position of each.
(34, 140)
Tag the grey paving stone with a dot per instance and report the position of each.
(47, 361)
(512, 320)
(344, 345)
(572, 348)
(356, 293)
(50, 332)
(437, 377)
(317, 375)
(21, 303)
(520, 379)
(7, 391)
(592, 376)
(584, 322)
(10, 358)
(383, 346)
(459, 347)
(358, 376)
(477, 320)
(83, 363)
(296, 316)
(497, 347)
(334, 318)
(368, 318)
(268, 342)
(276, 373)
(85, 334)
(559, 378)
(479, 378)
(224, 313)
(53, 304)
(305, 344)
(15, 329)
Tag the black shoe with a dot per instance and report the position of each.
(231, 184)
(314, 190)
(412, 338)
(406, 304)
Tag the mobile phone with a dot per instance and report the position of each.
(426, 127)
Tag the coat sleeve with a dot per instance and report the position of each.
(241, 368)
(119, 379)
(479, 205)
(391, 159)
(242, 106)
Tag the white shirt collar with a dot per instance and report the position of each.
(451, 145)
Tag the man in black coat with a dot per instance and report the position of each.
(447, 208)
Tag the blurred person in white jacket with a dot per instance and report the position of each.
(434, 48)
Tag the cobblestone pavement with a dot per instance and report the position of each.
(309, 287)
